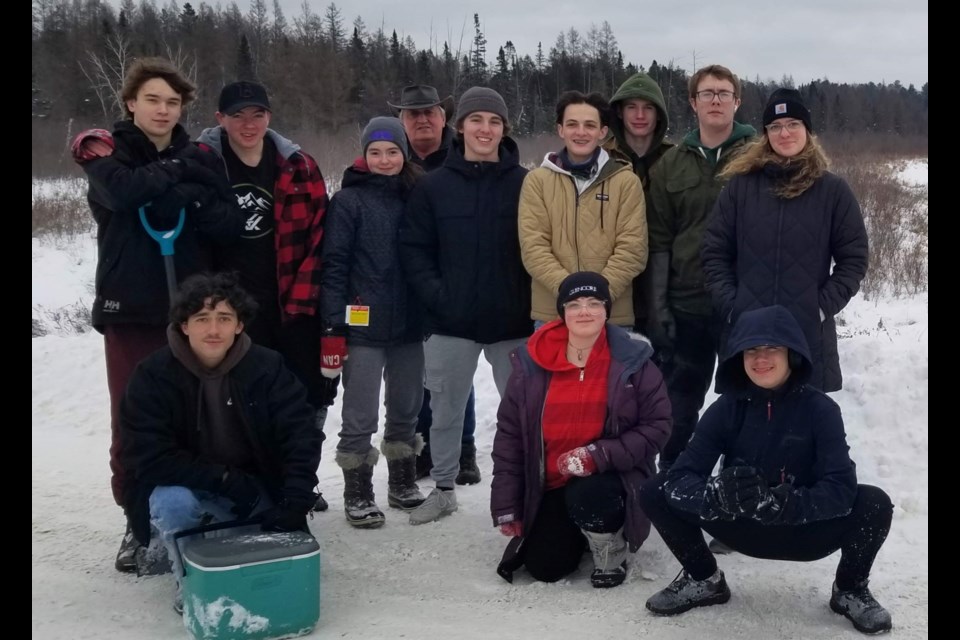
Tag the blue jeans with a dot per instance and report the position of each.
(175, 508)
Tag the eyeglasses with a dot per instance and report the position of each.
(708, 96)
(791, 127)
(593, 307)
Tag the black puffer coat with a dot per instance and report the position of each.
(131, 285)
(460, 248)
(361, 263)
(761, 250)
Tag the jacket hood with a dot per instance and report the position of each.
(641, 86)
(509, 157)
(773, 325)
(548, 346)
(213, 138)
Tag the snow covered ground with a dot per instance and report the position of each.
(438, 580)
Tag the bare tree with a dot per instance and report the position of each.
(105, 73)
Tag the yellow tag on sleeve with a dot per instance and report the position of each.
(358, 315)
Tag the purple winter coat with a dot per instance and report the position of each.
(637, 426)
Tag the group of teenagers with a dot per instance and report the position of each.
(601, 287)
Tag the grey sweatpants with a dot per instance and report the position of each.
(450, 365)
(401, 368)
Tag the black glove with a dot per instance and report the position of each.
(712, 507)
(164, 212)
(662, 328)
(195, 171)
(243, 490)
(739, 490)
(774, 505)
(286, 516)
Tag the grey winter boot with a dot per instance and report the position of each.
(609, 558)
(402, 490)
(469, 471)
(358, 501)
(685, 593)
(859, 606)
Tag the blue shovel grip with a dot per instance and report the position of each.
(164, 238)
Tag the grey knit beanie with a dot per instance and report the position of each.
(481, 99)
(384, 128)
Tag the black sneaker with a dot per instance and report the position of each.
(126, 561)
(321, 503)
(685, 593)
(860, 607)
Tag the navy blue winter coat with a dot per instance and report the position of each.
(460, 248)
(361, 263)
(760, 250)
(791, 435)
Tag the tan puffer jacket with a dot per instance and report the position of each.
(604, 229)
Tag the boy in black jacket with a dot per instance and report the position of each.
(146, 172)
(215, 427)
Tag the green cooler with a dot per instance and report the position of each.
(253, 586)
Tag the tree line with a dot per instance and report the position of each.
(323, 73)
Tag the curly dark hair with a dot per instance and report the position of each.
(195, 291)
(595, 100)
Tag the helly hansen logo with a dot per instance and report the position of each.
(111, 306)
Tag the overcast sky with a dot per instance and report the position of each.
(853, 41)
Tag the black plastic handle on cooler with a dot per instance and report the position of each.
(207, 528)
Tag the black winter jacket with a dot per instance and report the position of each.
(792, 435)
(159, 416)
(131, 285)
(761, 250)
(361, 264)
(460, 248)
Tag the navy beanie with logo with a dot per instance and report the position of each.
(787, 103)
(583, 284)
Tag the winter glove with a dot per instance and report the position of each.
(576, 462)
(712, 508)
(193, 170)
(663, 326)
(92, 144)
(333, 351)
(774, 505)
(164, 211)
(512, 529)
(242, 489)
(327, 393)
(285, 516)
(739, 489)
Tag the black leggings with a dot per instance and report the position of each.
(555, 544)
(859, 535)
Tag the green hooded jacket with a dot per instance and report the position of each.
(683, 189)
(641, 86)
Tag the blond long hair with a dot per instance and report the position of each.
(805, 167)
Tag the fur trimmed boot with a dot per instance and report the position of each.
(358, 501)
(402, 490)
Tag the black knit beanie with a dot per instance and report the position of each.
(786, 103)
(583, 284)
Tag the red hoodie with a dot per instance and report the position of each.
(576, 404)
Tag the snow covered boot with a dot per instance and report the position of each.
(859, 606)
(469, 471)
(127, 554)
(685, 593)
(402, 490)
(609, 558)
(358, 501)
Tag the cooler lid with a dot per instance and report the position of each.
(247, 548)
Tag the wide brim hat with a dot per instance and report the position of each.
(423, 96)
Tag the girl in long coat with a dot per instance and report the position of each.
(786, 231)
